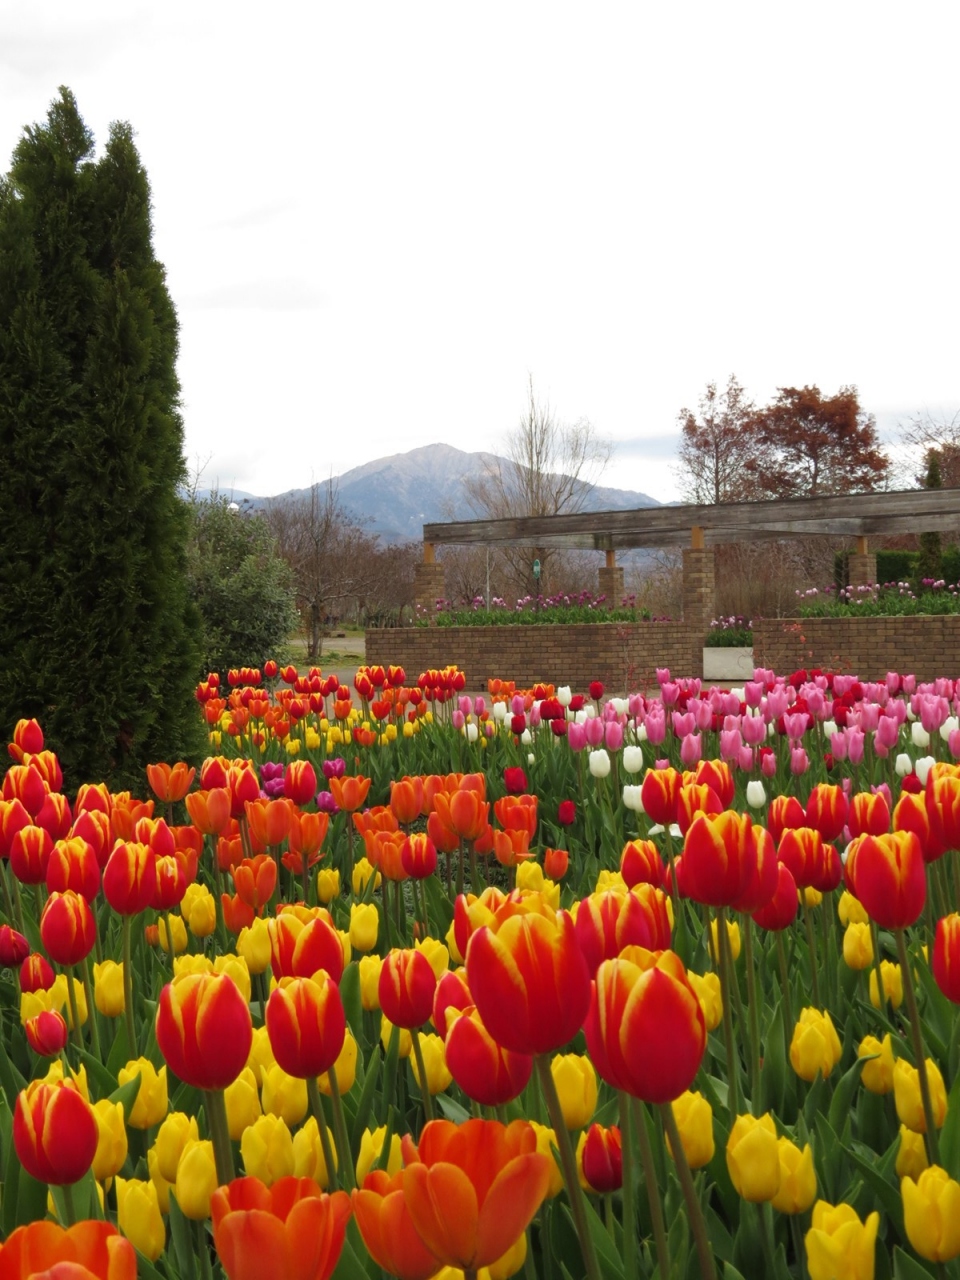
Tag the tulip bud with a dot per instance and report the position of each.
(877, 1072)
(815, 1047)
(308, 1156)
(173, 1135)
(196, 1180)
(892, 985)
(54, 1132)
(906, 1095)
(111, 1150)
(139, 1216)
(108, 988)
(911, 1154)
(839, 1244)
(798, 1180)
(576, 1084)
(753, 1158)
(151, 1102)
(694, 1117)
(602, 1158)
(47, 1033)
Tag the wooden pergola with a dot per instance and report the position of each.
(698, 528)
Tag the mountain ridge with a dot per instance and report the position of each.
(394, 496)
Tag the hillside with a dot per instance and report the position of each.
(396, 496)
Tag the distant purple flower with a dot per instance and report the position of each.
(269, 770)
(326, 803)
(272, 788)
(334, 768)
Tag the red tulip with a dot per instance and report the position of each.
(298, 947)
(827, 810)
(67, 927)
(945, 961)
(204, 1029)
(55, 1132)
(529, 981)
(603, 1158)
(719, 857)
(30, 851)
(300, 782)
(407, 987)
(658, 794)
(484, 1070)
(14, 948)
(781, 910)
(209, 810)
(868, 814)
(306, 1025)
(36, 973)
(802, 850)
(889, 878)
(645, 1029)
(47, 1033)
(640, 863)
(130, 878)
(609, 921)
(73, 865)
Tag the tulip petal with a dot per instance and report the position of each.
(443, 1205)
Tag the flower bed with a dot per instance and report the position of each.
(543, 981)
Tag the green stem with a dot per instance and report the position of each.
(568, 1163)
(916, 1034)
(216, 1109)
(785, 984)
(653, 1193)
(128, 987)
(69, 1204)
(340, 1135)
(74, 1009)
(422, 1075)
(812, 949)
(316, 1107)
(754, 1016)
(698, 1225)
(203, 1248)
(628, 1190)
(91, 1009)
(726, 982)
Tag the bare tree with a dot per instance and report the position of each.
(550, 468)
(335, 561)
(927, 433)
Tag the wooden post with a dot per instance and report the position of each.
(696, 538)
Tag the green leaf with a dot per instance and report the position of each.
(774, 1070)
(181, 1237)
(101, 1081)
(31, 1197)
(350, 995)
(365, 1105)
(907, 1268)
(355, 1263)
(883, 1188)
(842, 1100)
(611, 1264)
(950, 1133)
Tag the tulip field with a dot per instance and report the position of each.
(405, 981)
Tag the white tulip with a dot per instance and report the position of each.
(756, 796)
(599, 763)
(632, 759)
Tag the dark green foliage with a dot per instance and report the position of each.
(929, 566)
(97, 633)
(242, 589)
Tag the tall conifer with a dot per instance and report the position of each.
(97, 636)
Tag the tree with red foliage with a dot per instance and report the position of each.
(815, 445)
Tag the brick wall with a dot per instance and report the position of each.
(926, 646)
(624, 656)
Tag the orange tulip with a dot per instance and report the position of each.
(472, 1189)
(387, 1229)
(93, 795)
(269, 821)
(209, 810)
(90, 1248)
(511, 847)
(349, 792)
(126, 812)
(406, 799)
(255, 880)
(237, 916)
(517, 813)
(170, 783)
(292, 1229)
(555, 863)
(464, 812)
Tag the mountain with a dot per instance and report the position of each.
(396, 496)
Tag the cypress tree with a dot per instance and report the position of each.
(97, 635)
(929, 566)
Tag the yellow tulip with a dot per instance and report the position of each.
(546, 1142)
(931, 1214)
(708, 991)
(798, 1181)
(840, 1246)
(243, 1103)
(911, 1154)
(436, 953)
(261, 1053)
(694, 1117)
(576, 1083)
(308, 1160)
(733, 933)
(108, 988)
(283, 1095)
(328, 885)
(815, 1047)
(851, 910)
(753, 1158)
(199, 909)
(345, 1068)
(177, 928)
(906, 1095)
(370, 981)
(858, 947)
(236, 967)
(386, 1030)
(434, 1063)
(151, 1103)
(364, 925)
(173, 1135)
(371, 1149)
(254, 945)
(196, 1180)
(163, 1187)
(892, 984)
(267, 1149)
(111, 1140)
(363, 872)
(877, 1075)
(139, 1216)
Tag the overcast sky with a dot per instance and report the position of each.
(379, 220)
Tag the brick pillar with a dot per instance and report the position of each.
(429, 587)
(699, 608)
(610, 584)
(862, 568)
